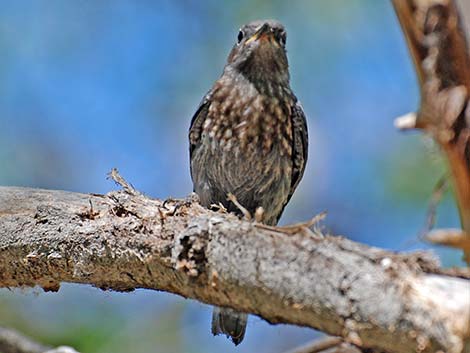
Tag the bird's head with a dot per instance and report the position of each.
(259, 53)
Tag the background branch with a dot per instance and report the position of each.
(437, 42)
(14, 342)
(124, 240)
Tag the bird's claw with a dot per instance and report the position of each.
(218, 207)
(246, 214)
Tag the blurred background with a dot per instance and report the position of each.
(90, 85)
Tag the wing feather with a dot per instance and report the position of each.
(300, 146)
(197, 123)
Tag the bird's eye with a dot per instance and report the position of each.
(282, 38)
(240, 36)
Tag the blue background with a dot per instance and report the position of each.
(90, 85)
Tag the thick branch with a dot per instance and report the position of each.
(124, 240)
(327, 345)
(437, 43)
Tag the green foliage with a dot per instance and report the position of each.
(412, 170)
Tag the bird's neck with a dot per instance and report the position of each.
(263, 83)
(262, 77)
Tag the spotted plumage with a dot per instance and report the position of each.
(248, 137)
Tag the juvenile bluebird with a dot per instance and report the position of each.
(249, 138)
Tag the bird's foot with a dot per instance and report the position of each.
(218, 207)
(246, 214)
(257, 217)
(259, 214)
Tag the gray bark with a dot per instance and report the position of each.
(124, 240)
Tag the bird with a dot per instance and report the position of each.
(248, 138)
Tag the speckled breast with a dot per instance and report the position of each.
(246, 148)
(242, 115)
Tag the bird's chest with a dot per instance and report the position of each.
(242, 120)
(246, 148)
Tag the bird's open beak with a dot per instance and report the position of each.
(264, 32)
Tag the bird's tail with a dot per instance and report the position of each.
(230, 323)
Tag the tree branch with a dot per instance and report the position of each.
(14, 342)
(124, 240)
(327, 345)
(437, 43)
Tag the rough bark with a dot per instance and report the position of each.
(124, 240)
(327, 345)
(436, 38)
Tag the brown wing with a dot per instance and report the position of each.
(300, 146)
(197, 123)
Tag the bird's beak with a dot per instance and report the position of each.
(263, 32)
